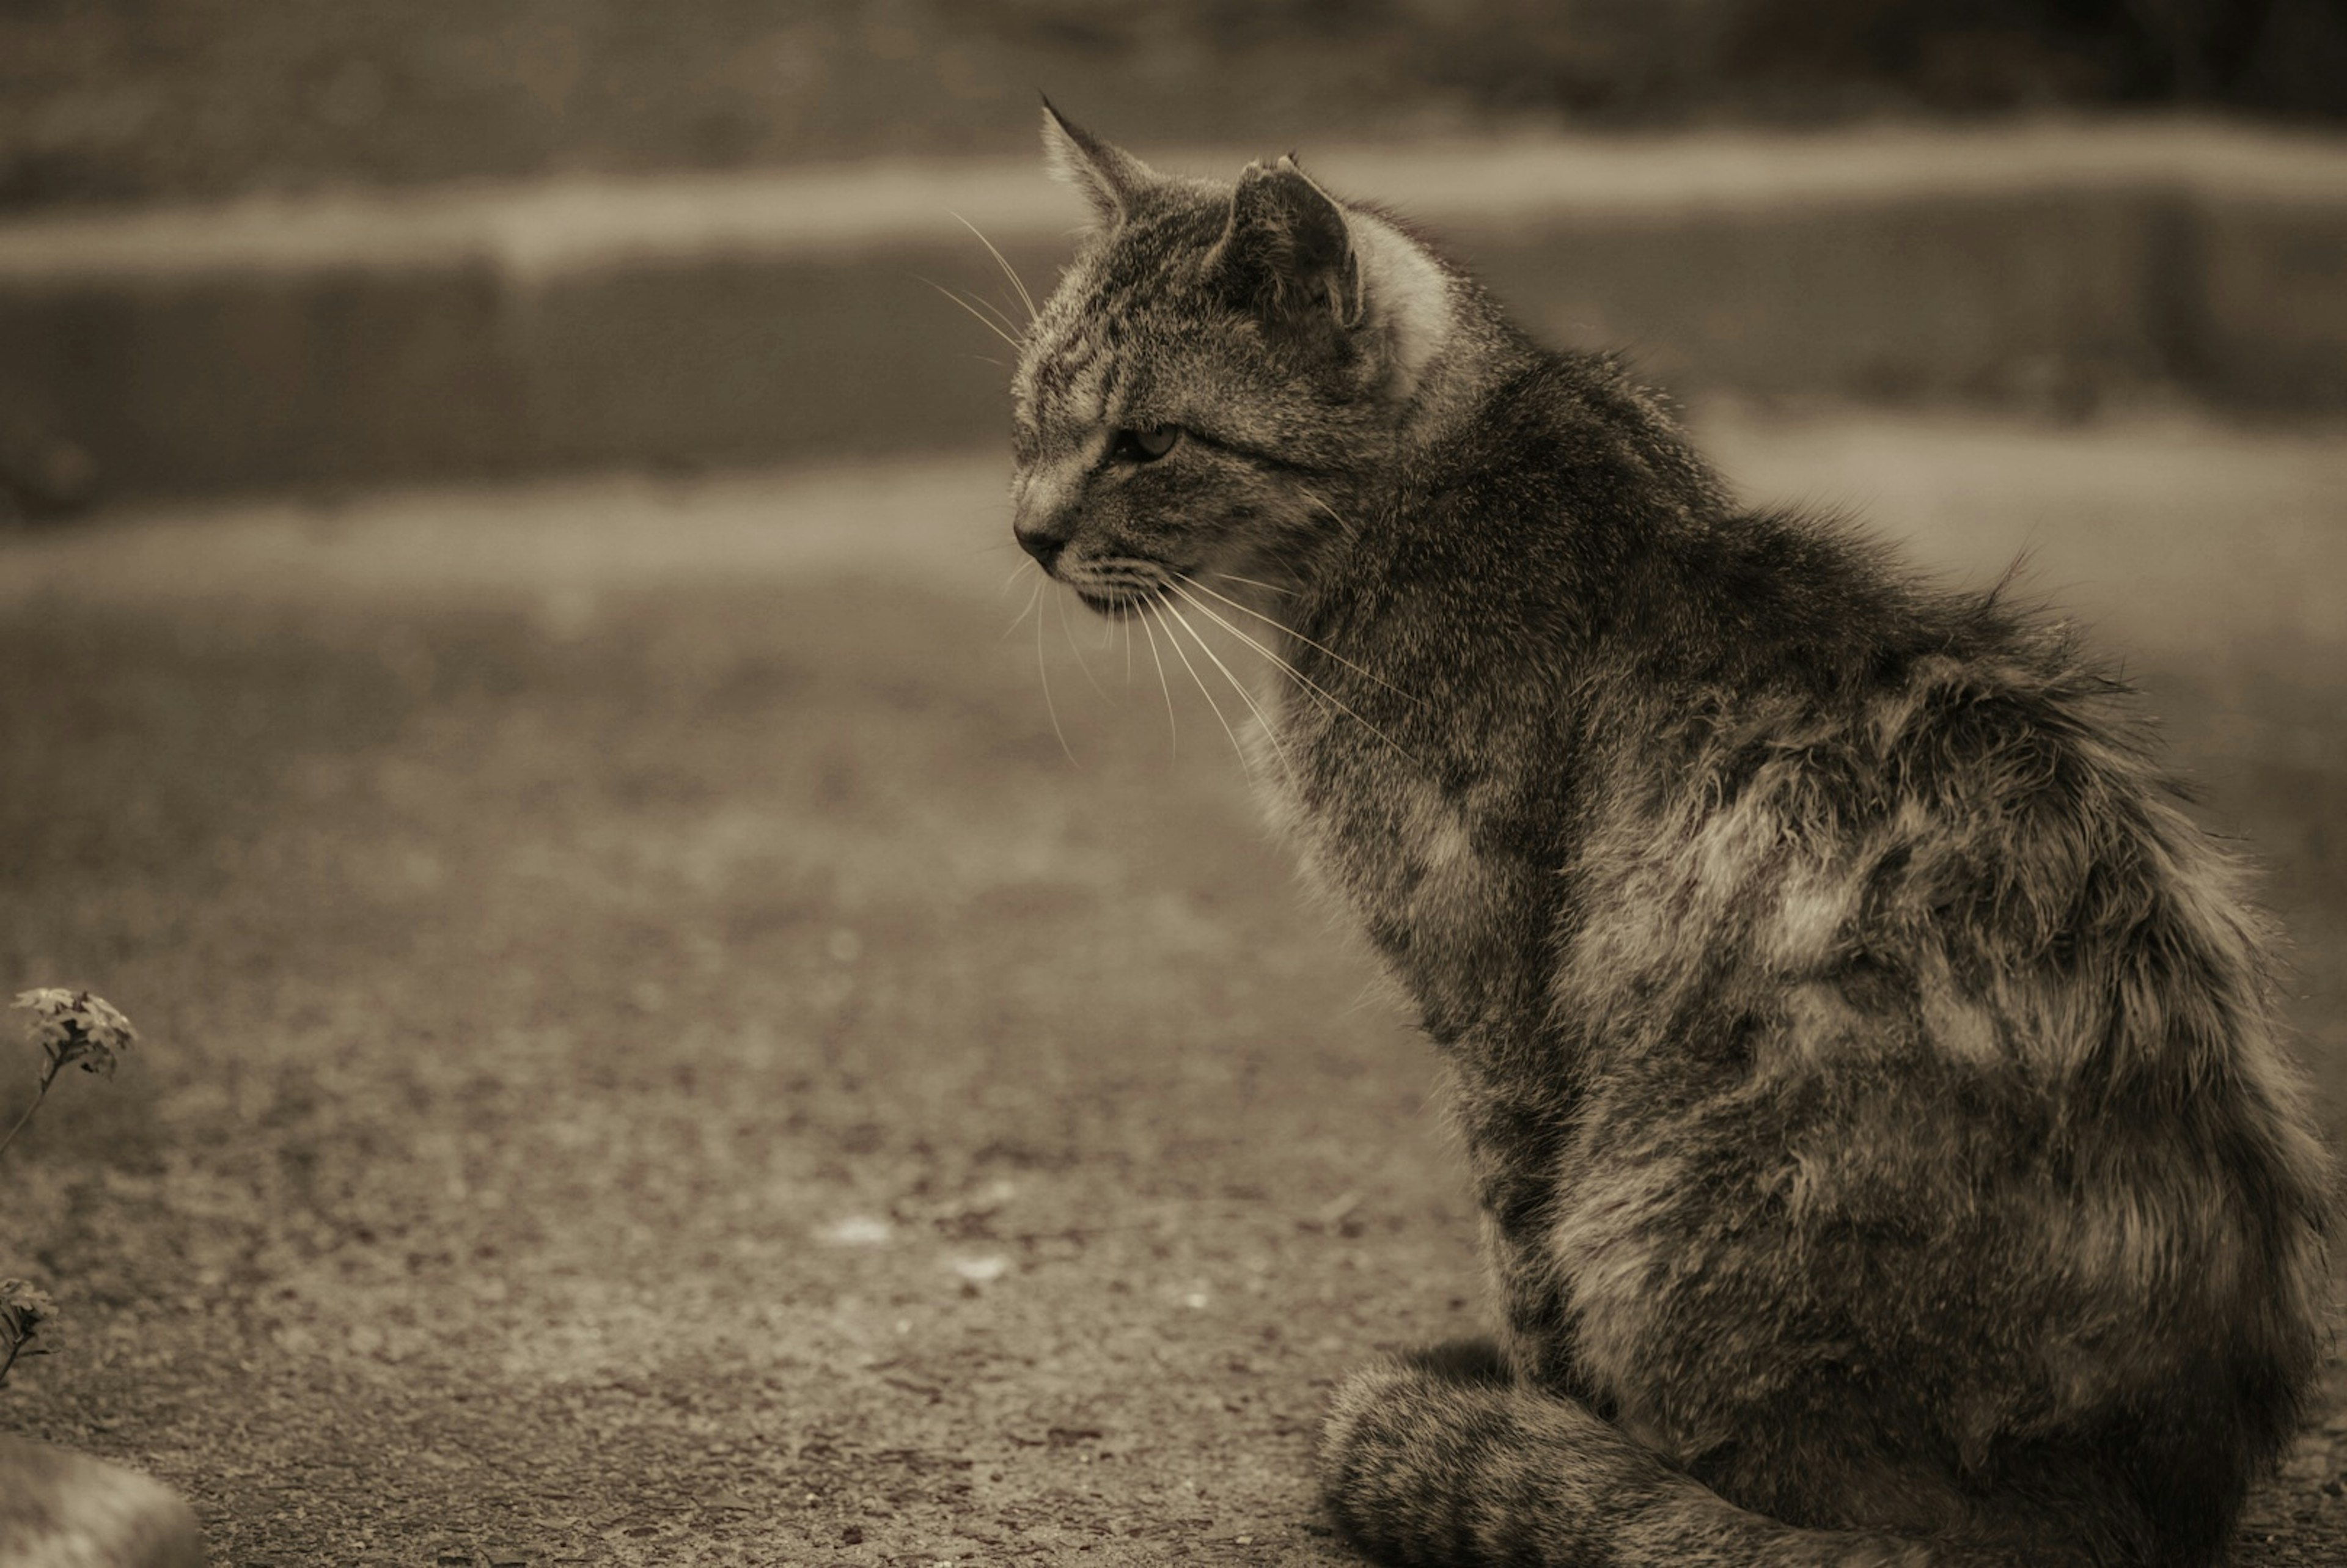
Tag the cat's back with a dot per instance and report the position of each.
(1919, 1027)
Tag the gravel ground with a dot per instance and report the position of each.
(654, 1054)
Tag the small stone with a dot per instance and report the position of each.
(64, 1510)
(851, 1536)
(2310, 1462)
(859, 1230)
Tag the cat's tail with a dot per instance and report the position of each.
(1432, 1461)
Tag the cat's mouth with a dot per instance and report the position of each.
(1121, 585)
(1118, 604)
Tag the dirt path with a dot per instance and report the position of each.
(654, 1055)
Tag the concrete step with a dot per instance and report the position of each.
(693, 319)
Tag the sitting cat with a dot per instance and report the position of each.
(1868, 1075)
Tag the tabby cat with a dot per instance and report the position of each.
(1868, 1075)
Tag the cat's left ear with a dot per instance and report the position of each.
(1110, 177)
(1286, 250)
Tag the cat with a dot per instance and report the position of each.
(1868, 1074)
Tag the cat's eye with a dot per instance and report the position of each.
(1141, 446)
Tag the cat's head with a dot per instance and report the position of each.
(1218, 360)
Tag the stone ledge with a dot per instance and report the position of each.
(363, 339)
(64, 1510)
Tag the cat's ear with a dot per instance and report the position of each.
(1287, 251)
(1108, 177)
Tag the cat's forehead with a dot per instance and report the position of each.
(1124, 313)
(1066, 379)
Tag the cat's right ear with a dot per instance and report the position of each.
(1288, 250)
(1108, 177)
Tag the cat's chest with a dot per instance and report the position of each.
(1380, 836)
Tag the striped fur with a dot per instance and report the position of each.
(1868, 1075)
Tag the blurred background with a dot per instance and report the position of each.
(690, 1014)
(112, 100)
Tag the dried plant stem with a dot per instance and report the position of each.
(40, 1094)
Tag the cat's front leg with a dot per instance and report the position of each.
(1535, 1339)
(1515, 1150)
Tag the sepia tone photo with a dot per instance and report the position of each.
(943, 785)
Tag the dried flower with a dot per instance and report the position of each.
(70, 1027)
(24, 1305)
(76, 1027)
(23, 1308)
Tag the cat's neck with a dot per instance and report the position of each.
(1446, 346)
(1518, 535)
(1533, 531)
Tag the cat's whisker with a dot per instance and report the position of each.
(1269, 732)
(1020, 566)
(1172, 731)
(1326, 507)
(994, 311)
(974, 315)
(1176, 643)
(1024, 297)
(1285, 668)
(1253, 582)
(1069, 633)
(1032, 599)
(1045, 674)
(1299, 637)
(1307, 681)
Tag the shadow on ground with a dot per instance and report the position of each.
(654, 1053)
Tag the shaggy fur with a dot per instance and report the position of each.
(1868, 1075)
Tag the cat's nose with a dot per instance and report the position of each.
(1044, 543)
(1044, 512)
